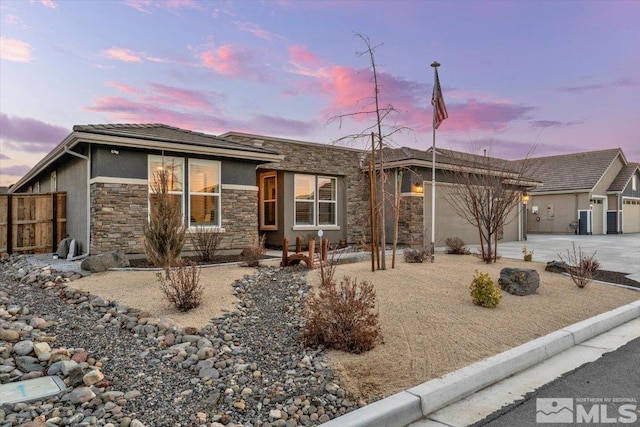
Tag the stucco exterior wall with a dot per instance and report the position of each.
(72, 178)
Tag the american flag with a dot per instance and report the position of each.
(439, 109)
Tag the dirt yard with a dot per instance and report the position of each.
(429, 323)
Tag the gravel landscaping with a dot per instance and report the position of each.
(124, 367)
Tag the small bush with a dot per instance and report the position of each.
(253, 253)
(205, 243)
(342, 317)
(181, 285)
(581, 267)
(415, 255)
(484, 292)
(527, 254)
(456, 246)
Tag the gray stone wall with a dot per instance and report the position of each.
(118, 212)
(306, 157)
(410, 226)
(239, 218)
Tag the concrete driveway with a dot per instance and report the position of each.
(616, 252)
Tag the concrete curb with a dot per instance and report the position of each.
(415, 403)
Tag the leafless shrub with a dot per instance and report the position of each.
(342, 317)
(581, 267)
(165, 232)
(206, 242)
(456, 246)
(254, 252)
(415, 255)
(181, 285)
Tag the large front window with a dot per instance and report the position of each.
(204, 192)
(316, 200)
(166, 174)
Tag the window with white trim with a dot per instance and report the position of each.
(204, 193)
(268, 201)
(54, 182)
(634, 182)
(173, 169)
(316, 201)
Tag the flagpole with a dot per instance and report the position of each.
(435, 66)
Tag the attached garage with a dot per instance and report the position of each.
(630, 216)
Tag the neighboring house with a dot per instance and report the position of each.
(106, 171)
(413, 168)
(595, 192)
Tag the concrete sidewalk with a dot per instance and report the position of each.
(616, 252)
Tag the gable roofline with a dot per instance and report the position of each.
(624, 177)
(258, 139)
(573, 172)
(111, 135)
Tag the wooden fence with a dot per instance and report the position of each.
(32, 223)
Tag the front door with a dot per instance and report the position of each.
(584, 221)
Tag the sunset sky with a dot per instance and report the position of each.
(561, 75)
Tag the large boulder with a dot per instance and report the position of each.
(519, 281)
(105, 261)
(556, 267)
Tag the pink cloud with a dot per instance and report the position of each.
(15, 50)
(302, 57)
(256, 30)
(483, 115)
(234, 62)
(49, 3)
(146, 5)
(122, 54)
(168, 95)
(270, 125)
(123, 110)
(12, 19)
(124, 87)
(29, 135)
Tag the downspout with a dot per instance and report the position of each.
(87, 249)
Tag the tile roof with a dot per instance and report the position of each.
(449, 157)
(161, 132)
(624, 177)
(577, 171)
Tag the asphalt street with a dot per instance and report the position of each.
(603, 392)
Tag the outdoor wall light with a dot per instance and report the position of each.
(116, 152)
(418, 188)
(525, 198)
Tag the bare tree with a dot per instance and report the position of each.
(381, 137)
(484, 191)
(164, 233)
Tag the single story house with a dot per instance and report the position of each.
(244, 185)
(106, 171)
(595, 192)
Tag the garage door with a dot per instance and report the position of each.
(631, 216)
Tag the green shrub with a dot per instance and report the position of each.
(342, 317)
(484, 292)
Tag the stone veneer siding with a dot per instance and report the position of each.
(411, 221)
(118, 212)
(307, 157)
(239, 218)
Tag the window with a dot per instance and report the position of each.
(268, 192)
(316, 201)
(36, 187)
(173, 169)
(204, 193)
(634, 182)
